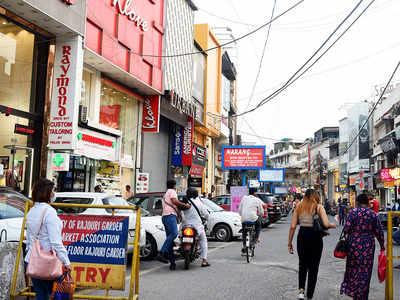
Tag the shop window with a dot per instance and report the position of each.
(87, 91)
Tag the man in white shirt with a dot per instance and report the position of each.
(250, 209)
(192, 217)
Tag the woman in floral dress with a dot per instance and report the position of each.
(362, 226)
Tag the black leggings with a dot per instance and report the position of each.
(309, 248)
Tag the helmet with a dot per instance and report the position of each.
(192, 193)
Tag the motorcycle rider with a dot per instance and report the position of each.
(250, 209)
(195, 217)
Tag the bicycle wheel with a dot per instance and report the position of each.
(247, 254)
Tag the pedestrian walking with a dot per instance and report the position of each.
(42, 222)
(342, 210)
(362, 227)
(309, 242)
(170, 214)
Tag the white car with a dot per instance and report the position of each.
(12, 208)
(223, 225)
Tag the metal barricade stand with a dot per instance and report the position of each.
(134, 278)
(389, 267)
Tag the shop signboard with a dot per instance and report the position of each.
(279, 190)
(195, 182)
(182, 105)
(97, 145)
(97, 249)
(272, 175)
(151, 114)
(196, 171)
(60, 162)
(22, 129)
(177, 142)
(333, 164)
(199, 155)
(142, 182)
(237, 194)
(243, 157)
(188, 132)
(68, 66)
(388, 175)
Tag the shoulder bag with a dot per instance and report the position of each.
(318, 226)
(341, 246)
(178, 212)
(43, 264)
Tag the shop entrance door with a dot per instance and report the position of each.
(19, 173)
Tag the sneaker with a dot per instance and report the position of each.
(301, 295)
(160, 257)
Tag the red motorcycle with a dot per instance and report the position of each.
(190, 245)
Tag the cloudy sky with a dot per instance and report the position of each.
(348, 73)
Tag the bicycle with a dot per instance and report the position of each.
(249, 230)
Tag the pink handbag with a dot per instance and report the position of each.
(43, 264)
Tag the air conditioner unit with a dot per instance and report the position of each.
(83, 114)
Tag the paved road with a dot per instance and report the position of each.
(272, 275)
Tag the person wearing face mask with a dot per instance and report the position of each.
(42, 221)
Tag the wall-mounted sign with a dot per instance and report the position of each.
(142, 182)
(22, 129)
(127, 161)
(237, 194)
(243, 157)
(188, 132)
(151, 114)
(196, 171)
(333, 164)
(279, 190)
(272, 175)
(177, 142)
(199, 155)
(182, 105)
(97, 145)
(125, 8)
(388, 145)
(195, 182)
(68, 65)
(388, 175)
(97, 249)
(60, 162)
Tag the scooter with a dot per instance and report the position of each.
(190, 245)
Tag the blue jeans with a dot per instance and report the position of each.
(42, 288)
(171, 230)
(396, 237)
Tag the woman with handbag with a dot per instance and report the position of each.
(45, 251)
(309, 240)
(361, 227)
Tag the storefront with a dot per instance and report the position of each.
(391, 182)
(23, 74)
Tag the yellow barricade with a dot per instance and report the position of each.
(134, 278)
(390, 257)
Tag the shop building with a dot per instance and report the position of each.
(121, 76)
(169, 152)
(29, 32)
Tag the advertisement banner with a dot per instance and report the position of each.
(97, 247)
(151, 114)
(243, 157)
(142, 182)
(237, 193)
(272, 175)
(199, 155)
(68, 68)
(177, 142)
(187, 142)
(196, 171)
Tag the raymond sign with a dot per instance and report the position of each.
(97, 247)
(151, 114)
(243, 157)
(68, 66)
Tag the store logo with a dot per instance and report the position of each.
(130, 13)
(58, 160)
(63, 80)
(183, 106)
(95, 140)
(151, 121)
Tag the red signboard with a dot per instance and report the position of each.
(151, 114)
(243, 157)
(129, 34)
(187, 142)
(196, 171)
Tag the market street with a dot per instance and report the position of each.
(272, 274)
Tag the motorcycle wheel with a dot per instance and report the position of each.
(187, 260)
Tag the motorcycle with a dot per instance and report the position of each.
(190, 245)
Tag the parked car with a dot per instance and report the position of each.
(225, 202)
(274, 210)
(152, 233)
(222, 225)
(12, 209)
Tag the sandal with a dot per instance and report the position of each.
(205, 265)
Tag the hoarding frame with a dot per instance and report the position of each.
(242, 147)
(275, 181)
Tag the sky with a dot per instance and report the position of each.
(365, 57)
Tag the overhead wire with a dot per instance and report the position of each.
(373, 108)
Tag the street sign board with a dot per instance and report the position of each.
(243, 157)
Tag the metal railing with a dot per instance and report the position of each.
(389, 295)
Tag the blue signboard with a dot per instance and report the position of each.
(177, 144)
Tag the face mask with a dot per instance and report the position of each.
(52, 199)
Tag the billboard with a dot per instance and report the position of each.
(243, 157)
(272, 175)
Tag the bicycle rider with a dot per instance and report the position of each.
(250, 209)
